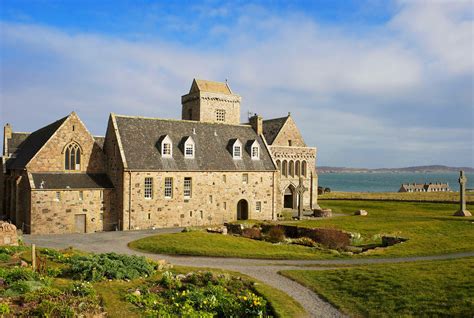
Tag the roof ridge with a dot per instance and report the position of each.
(181, 120)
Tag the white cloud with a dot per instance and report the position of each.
(373, 91)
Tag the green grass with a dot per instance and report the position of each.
(430, 228)
(205, 244)
(396, 196)
(431, 289)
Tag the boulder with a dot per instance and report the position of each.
(322, 213)
(361, 212)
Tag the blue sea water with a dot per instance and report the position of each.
(387, 182)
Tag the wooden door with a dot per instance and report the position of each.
(80, 223)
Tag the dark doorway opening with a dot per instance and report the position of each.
(289, 198)
(242, 210)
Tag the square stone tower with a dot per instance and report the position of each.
(211, 102)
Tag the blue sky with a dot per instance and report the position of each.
(370, 83)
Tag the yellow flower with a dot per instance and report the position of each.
(245, 297)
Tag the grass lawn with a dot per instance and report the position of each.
(396, 196)
(430, 228)
(205, 244)
(431, 289)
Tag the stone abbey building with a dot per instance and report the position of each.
(207, 168)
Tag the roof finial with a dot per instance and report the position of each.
(289, 113)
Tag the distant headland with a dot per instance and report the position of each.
(420, 169)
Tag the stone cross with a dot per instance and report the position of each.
(300, 189)
(462, 196)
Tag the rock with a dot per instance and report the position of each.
(23, 264)
(392, 240)
(323, 213)
(361, 212)
(233, 228)
(180, 277)
(137, 292)
(224, 230)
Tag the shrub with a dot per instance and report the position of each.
(4, 309)
(332, 238)
(305, 241)
(276, 234)
(4, 257)
(18, 274)
(109, 265)
(252, 233)
(82, 289)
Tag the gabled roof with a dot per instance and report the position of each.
(140, 143)
(271, 128)
(15, 142)
(210, 87)
(32, 144)
(100, 141)
(56, 181)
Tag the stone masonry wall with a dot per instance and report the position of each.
(214, 198)
(51, 157)
(205, 104)
(289, 132)
(50, 216)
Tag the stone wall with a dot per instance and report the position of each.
(50, 216)
(214, 198)
(51, 157)
(289, 131)
(203, 106)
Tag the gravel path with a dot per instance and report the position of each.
(263, 270)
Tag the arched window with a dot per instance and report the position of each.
(292, 168)
(297, 168)
(303, 168)
(284, 168)
(72, 157)
(279, 165)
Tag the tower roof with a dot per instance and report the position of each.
(210, 87)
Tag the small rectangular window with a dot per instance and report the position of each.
(225, 205)
(148, 188)
(258, 206)
(224, 178)
(289, 143)
(149, 216)
(245, 178)
(210, 199)
(189, 151)
(81, 195)
(220, 115)
(255, 153)
(101, 195)
(102, 216)
(58, 196)
(168, 187)
(202, 215)
(167, 149)
(187, 191)
(237, 152)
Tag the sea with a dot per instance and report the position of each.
(387, 181)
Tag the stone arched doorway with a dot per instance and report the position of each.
(242, 210)
(289, 197)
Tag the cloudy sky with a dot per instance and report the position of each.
(370, 83)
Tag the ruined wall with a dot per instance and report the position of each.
(214, 198)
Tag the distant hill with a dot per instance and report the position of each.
(434, 168)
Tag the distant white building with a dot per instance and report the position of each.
(425, 187)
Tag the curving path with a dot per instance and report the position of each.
(263, 270)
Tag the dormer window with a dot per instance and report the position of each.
(167, 147)
(255, 150)
(237, 150)
(189, 148)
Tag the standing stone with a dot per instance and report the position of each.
(462, 196)
(300, 189)
(8, 234)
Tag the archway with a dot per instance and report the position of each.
(289, 197)
(242, 210)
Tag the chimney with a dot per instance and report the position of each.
(7, 134)
(256, 122)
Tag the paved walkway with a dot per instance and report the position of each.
(263, 270)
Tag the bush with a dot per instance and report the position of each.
(276, 234)
(332, 238)
(110, 265)
(305, 241)
(82, 289)
(4, 309)
(252, 233)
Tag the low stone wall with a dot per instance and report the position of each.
(8, 234)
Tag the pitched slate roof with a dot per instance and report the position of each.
(141, 143)
(32, 144)
(271, 128)
(210, 86)
(14, 143)
(58, 181)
